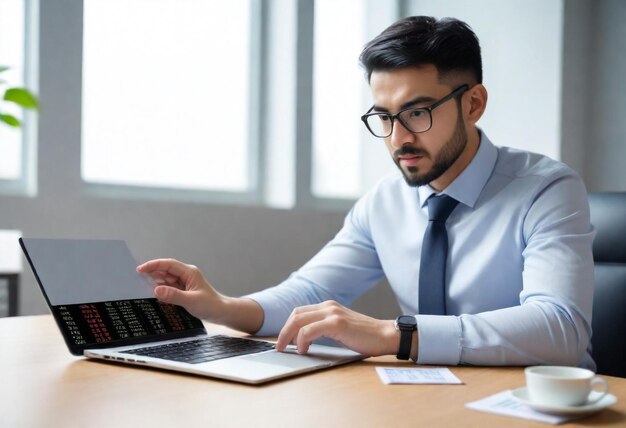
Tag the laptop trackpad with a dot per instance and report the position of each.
(294, 361)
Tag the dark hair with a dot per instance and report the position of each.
(448, 44)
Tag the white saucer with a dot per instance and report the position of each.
(608, 400)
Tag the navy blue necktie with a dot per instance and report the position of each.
(432, 285)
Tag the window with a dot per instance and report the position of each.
(337, 97)
(11, 55)
(167, 95)
(347, 160)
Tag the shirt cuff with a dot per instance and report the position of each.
(439, 339)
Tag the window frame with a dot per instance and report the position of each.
(26, 183)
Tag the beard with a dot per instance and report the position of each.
(446, 157)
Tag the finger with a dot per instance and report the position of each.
(311, 332)
(171, 266)
(301, 315)
(185, 274)
(162, 278)
(174, 296)
(299, 318)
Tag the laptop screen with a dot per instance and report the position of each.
(121, 322)
(98, 299)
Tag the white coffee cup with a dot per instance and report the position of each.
(563, 386)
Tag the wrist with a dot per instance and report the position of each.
(391, 338)
(218, 308)
(239, 313)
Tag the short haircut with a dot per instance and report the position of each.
(449, 44)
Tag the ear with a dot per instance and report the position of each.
(477, 97)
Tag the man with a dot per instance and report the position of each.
(503, 277)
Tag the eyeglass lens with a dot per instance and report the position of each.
(416, 120)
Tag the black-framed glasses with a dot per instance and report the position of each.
(415, 119)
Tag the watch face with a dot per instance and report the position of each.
(406, 320)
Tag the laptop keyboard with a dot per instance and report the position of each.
(203, 350)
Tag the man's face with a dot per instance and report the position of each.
(422, 157)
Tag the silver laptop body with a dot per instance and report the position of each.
(107, 311)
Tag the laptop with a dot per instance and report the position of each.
(107, 311)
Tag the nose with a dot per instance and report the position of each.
(400, 135)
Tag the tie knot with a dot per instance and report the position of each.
(440, 207)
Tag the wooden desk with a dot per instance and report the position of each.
(42, 385)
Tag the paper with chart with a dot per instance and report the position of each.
(417, 376)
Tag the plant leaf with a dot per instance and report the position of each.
(10, 120)
(22, 97)
(3, 68)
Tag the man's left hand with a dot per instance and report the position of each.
(365, 335)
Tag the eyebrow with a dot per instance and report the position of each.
(411, 103)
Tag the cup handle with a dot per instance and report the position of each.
(603, 390)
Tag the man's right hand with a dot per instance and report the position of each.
(185, 285)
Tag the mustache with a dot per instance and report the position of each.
(407, 150)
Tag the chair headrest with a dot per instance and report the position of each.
(608, 216)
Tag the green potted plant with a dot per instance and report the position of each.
(20, 96)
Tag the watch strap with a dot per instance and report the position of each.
(406, 337)
(406, 325)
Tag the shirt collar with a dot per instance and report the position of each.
(467, 186)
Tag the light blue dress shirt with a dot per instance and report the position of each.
(519, 283)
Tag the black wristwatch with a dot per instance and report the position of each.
(406, 325)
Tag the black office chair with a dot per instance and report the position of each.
(608, 215)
